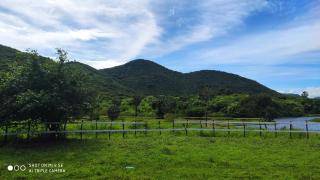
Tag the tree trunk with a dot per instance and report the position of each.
(136, 113)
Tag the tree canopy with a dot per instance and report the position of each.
(44, 92)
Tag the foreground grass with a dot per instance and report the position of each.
(168, 157)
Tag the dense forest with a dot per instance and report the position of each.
(38, 89)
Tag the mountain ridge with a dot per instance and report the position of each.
(152, 74)
(145, 77)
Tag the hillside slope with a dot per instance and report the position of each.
(99, 81)
(148, 78)
(145, 77)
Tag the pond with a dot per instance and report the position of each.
(298, 123)
(284, 123)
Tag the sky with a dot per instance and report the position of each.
(275, 42)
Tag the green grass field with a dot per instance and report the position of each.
(168, 156)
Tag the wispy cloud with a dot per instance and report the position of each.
(107, 33)
(272, 47)
(90, 30)
(117, 31)
(203, 21)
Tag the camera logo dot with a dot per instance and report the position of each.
(16, 168)
(10, 168)
(22, 167)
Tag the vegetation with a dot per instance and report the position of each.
(169, 157)
(114, 110)
(136, 100)
(145, 77)
(148, 78)
(40, 92)
(38, 89)
(163, 105)
(46, 93)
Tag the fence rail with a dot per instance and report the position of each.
(157, 130)
(161, 126)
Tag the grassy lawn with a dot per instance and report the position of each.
(168, 156)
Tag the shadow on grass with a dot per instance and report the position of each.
(42, 143)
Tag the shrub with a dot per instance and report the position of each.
(196, 112)
(113, 112)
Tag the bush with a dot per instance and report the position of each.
(195, 112)
(113, 112)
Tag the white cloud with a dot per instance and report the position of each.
(313, 91)
(203, 21)
(284, 43)
(120, 30)
(270, 47)
(115, 32)
(89, 30)
(103, 63)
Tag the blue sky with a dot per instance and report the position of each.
(275, 42)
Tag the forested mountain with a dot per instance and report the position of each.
(145, 77)
(7, 53)
(149, 78)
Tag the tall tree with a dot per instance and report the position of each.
(260, 105)
(45, 92)
(204, 95)
(164, 105)
(114, 110)
(136, 100)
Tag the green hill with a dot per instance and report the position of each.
(7, 53)
(100, 81)
(149, 78)
(145, 77)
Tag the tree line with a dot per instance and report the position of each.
(232, 105)
(45, 91)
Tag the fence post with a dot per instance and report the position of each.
(260, 129)
(228, 127)
(135, 128)
(173, 126)
(159, 127)
(213, 129)
(81, 129)
(206, 121)
(200, 133)
(96, 128)
(307, 129)
(123, 129)
(185, 128)
(290, 129)
(244, 129)
(110, 127)
(56, 134)
(187, 123)
(275, 129)
(145, 128)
